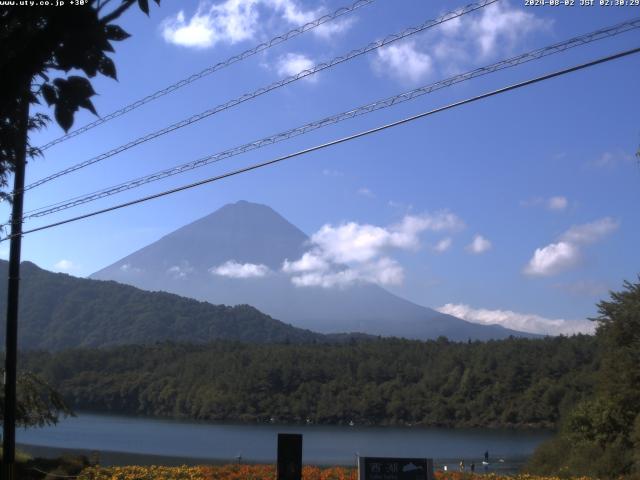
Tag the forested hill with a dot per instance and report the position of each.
(507, 383)
(59, 311)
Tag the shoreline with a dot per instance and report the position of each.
(115, 458)
(133, 440)
(239, 423)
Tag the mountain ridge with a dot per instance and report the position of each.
(248, 233)
(59, 311)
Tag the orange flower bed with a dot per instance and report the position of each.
(261, 472)
(223, 472)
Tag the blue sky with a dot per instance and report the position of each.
(520, 210)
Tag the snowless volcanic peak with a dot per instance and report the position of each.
(235, 256)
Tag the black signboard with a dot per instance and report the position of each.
(384, 468)
(289, 456)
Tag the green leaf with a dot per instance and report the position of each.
(72, 93)
(115, 33)
(80, 85)
(90, 64)
(49, 94)
(86, 103)
(107, 67)
(144, 6)
(64, 116)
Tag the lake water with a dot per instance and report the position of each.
(322, 445)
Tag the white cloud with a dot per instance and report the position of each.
(293, 63)
(566, 253)
(365, 192)
(292, 13)
(443, 221)
(590, 232)
(295, 15)
(352, 252)
(128, 268)
(403, 61)
(233, 21)
(464, 41)
(65, 266)
(230, 22)
(501, 25)
(310, 261)
(524, 322)
(557, 203)
(383, 271)
(233, 269)
(479, 245)
(334, 28)
(553, 259)
(443, 245)
(180, 271)
(195, 33)
(352, 241)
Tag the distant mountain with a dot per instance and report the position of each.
(59, 311)
(249, 233)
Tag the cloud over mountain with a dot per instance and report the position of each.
(525, 322)
(233, 269)
(353, 252)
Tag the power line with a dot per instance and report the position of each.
(584, 39)
(211, 69)
(256, 93)
(412, 118)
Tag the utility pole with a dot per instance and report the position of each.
(11, 348)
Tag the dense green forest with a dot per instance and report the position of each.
(59, 311)
(600, 436)
(515, 382)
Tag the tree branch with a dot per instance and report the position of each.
(126, 4)
(102, 4)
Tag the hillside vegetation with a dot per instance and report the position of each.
(515, 382)
(58, 311)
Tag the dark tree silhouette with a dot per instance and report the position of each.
(39, 47)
